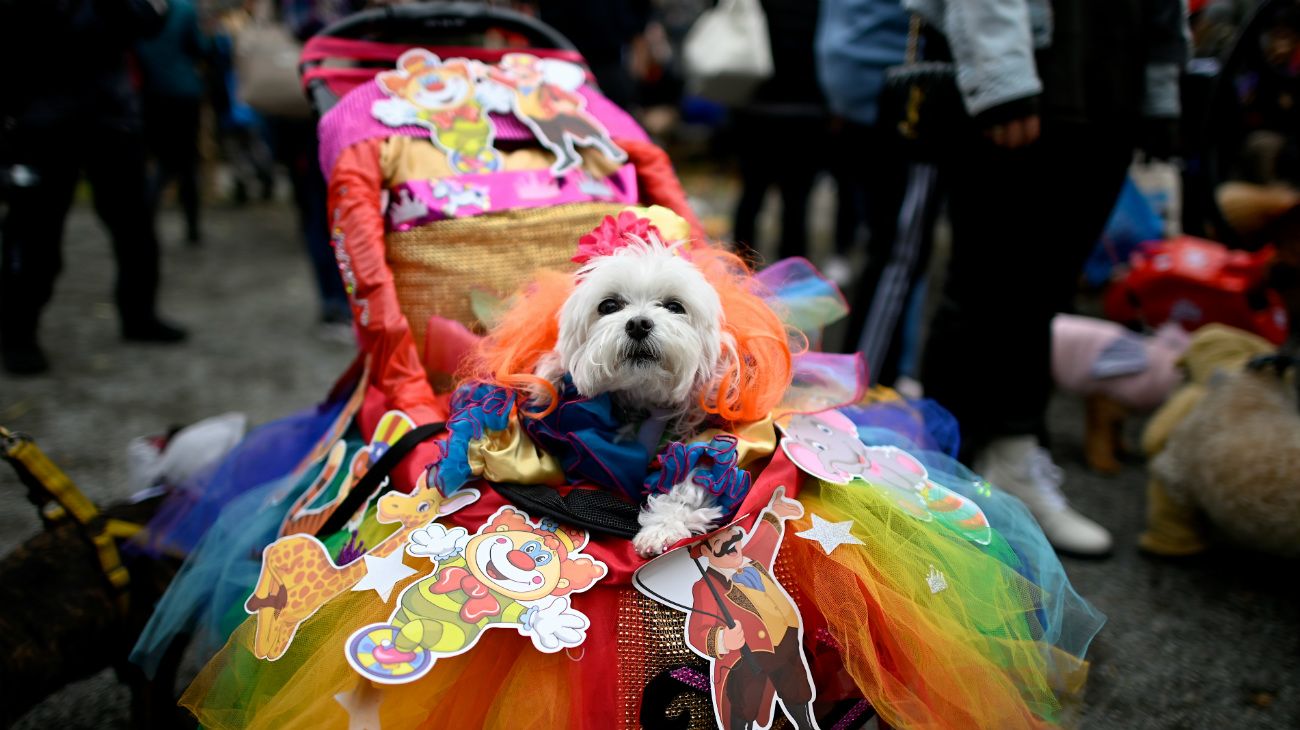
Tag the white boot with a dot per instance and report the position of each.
(1018, 465)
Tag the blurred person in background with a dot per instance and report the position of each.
(293, 141)
(781, 133)
(897, 198)
(240, 133)
(1060, 94)
(173, 80)
(68, 106)
(603, 31)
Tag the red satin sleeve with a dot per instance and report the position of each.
(357, 231)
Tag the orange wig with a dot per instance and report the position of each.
(755, 373)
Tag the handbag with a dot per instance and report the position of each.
(727, 53)
(266, 67)
(920, 104)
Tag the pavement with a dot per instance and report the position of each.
(1208, 643)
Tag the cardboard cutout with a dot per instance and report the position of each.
(826, 445)
(547, 101)
(328, 490)
(298, 576)
(447, 98)
(740, 618)
(512, 573)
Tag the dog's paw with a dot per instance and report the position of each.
(653, 540)
(667, 518)
(702, 519)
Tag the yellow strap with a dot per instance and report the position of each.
(54, 480)
(121, 529)
(72, 502)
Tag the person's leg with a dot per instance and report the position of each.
(187, 165)
(755, 178)
(843, 162)
(846, 166)
(897, 266)
(115, 164)
(900, 205)
(796, 188)
(882, 181)
(982, 360)
(310, 193)
(796, 174)
(1023, 222)
(44, 179)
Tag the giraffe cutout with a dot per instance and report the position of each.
(301, 518)
(298, 576)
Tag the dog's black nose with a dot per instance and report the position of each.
(638, 328)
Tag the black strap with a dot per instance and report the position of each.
(378, 472)
(592, 509)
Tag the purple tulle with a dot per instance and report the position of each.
(268, 452)
(922, 422)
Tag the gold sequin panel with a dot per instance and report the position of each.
(436, 266)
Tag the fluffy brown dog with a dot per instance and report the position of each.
(1235, 460)
(1225, 449)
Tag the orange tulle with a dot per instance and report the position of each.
(502, 682)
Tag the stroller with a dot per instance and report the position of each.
(465, 149)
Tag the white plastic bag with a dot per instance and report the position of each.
(188, 451)
(728, 53)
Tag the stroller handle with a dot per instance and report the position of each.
(428, 24)
(440, 22)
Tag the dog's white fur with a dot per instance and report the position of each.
(668, 371)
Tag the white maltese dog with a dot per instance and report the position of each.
(644, 325)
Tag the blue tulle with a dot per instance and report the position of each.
(266, 453)
(1068, 622)
(923, 423)
(206, 599)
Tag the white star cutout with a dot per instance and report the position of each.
(362, 706)
(382, 574)
(829, 535)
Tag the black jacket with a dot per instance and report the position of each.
(66, 61)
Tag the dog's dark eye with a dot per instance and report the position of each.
(674, 306)
(608, 306)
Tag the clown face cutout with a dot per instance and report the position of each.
(428, 83)
(520, 562)
(512, 573)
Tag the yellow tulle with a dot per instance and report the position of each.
(936, 631)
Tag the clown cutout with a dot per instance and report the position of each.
(447, 98)
(546, 99)
(512, 573)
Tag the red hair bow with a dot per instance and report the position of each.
(613, 234)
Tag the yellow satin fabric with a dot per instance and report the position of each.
(510, 456)
(756, 440)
